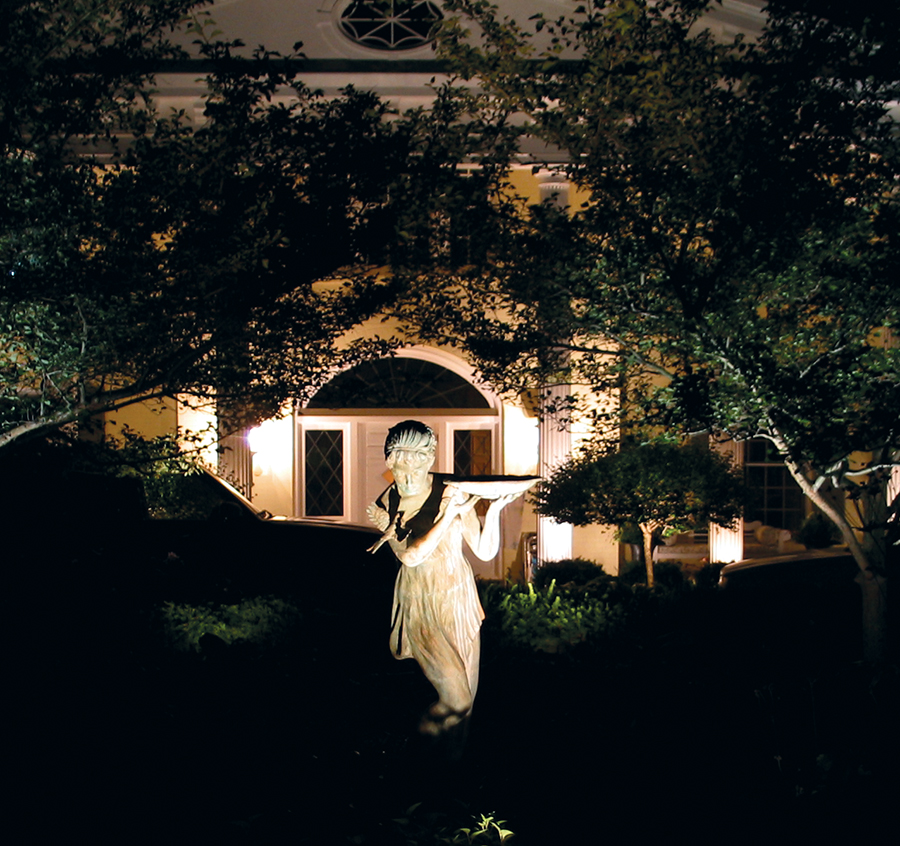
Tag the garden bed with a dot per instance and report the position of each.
(310, 738)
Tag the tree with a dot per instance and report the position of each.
(147, 257)
(734, 267)
(655, 486)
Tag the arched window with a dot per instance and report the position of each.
(398, 383)
(390, 25)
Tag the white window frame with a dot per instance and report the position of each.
(491, 424)
(311, 424)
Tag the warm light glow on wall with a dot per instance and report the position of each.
(555, 539)
(520, 442)
(893, 486)
(198, 419)
(272, 446)
(258, 439)
(726, 545)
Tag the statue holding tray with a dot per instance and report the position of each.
(426, 517)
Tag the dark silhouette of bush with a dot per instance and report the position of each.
(576, 571)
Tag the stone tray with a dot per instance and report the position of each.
(493, 487)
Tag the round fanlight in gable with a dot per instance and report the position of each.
(390, 25)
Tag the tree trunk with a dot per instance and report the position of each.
(647, 535)
(872, 583)
(874, 615)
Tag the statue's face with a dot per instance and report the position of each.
(410, 465)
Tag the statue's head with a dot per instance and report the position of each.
(409, 451)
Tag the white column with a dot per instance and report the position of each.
(727, 545)
(554, 540)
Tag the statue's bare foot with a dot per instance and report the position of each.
(440, 718)
(439, 710)
(430, 727)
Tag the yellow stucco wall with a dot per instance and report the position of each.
(152, 419)
(520, 458)
(274, 459)
(155, 418)
(525, 184)
(597, 544)
(272, 443)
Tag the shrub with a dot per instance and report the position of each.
(707, 577)
(818, 532)
(578, 571)
(655, 486)
(667, 575)
(551, 618)
(261, 620)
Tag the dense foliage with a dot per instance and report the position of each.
(148, 255)
(145, 256)
(655, 486)
(733, 269)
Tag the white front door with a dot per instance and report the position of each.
(341, 467)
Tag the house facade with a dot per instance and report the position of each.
(324, 458)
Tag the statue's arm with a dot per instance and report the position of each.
(415, 552)
(485, 542)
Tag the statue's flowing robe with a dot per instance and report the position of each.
(437, 615)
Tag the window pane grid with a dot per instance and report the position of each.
(398, 383)
(775, 498)
(472, 452)
(399, 25)
(324, 488)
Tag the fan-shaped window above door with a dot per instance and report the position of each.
(398, 383)
(391, 25)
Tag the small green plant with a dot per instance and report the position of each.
(552, 618)
(168, 467)
(261, 620)
(419, 828)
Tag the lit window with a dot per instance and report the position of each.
(775, 498)
(390, 24)
(472, 457)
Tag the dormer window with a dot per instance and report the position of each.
(391, 25)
